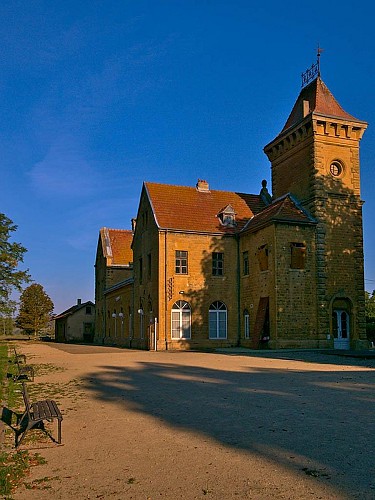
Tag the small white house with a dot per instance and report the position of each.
(76, 324)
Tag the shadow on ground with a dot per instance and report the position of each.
(318, 423)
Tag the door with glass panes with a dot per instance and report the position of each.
(181, 320)
(341, 329)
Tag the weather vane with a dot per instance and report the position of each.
(314, 71)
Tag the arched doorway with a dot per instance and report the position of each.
(341, 319)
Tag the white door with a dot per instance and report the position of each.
(181, 320)
(340, 327)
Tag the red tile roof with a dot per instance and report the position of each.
(187, 209)
(282, 210)
(116, 245)
(320, 101)
(73, 309)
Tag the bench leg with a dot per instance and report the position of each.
(18, 443)
(59, 431)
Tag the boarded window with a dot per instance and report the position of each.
(245, 263)
(262, 255)
(297, 255)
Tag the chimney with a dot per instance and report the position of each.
(202, 186)
(79, 302)
(306, 108)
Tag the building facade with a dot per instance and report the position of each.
(76, 324)
(113, 268)
(217, 269)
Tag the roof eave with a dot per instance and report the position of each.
(275, 220)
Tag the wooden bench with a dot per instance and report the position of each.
(20, 358)
(36, 414)
(23, 370)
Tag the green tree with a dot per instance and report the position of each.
(370, 315)
(35, 309)
(370, 306)
(11, 254)
(6, 314)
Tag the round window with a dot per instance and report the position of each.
(336, 168)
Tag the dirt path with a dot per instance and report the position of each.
(146, 425)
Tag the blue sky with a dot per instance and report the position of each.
(98, 96)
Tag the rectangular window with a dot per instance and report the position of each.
(181, 262)
(141, 324)
(149, 266)
(145, 219)
(88, 310)
(140, 270)
(297, 255)
(246, 319)
(263, 257)
(217, 264)
(245, 263)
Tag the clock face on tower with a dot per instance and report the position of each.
(336, 168)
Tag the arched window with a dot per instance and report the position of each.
(218, 320)
(181, 320)
(246, 324)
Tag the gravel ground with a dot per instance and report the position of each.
(186, 425)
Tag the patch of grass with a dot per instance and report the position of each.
(42, 483)
(14, 466)
(3, 367)
(45, 368)
(55, 390)
(206, 491)
(316, 472)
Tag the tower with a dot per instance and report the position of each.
(316, 159)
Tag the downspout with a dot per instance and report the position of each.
(131, 332)
(238, 292)
(105, 317)
(165, 292)
(275, 290)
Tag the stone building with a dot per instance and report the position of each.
(76, 324)
(215, 268)
(113, 271)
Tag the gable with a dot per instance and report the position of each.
(283, 210)
(116, 246)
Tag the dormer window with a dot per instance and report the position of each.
(227, 216)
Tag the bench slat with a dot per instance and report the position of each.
(44, 410)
